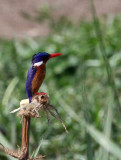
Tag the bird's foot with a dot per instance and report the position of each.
(40, 93)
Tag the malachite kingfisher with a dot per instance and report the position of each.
(37, 71)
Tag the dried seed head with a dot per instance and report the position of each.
(42, 98)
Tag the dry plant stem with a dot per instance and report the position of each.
(9, 152)
(20, 154)
(25, 136)
(27, 111)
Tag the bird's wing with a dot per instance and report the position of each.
(30, 76)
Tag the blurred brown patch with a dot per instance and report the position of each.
(16, 16)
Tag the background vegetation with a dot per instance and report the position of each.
(84, 84)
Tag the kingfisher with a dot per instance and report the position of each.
(36, 73)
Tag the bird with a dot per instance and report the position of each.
(37, 72)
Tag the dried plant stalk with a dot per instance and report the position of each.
(27, 111)
(25, 136)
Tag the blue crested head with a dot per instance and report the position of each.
(41, 56)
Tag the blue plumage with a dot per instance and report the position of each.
(30, 76)
(40, 57)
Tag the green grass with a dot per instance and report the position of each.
(78, 85)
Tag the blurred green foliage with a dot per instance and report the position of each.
(78, 86)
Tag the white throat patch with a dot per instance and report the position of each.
(38, 64)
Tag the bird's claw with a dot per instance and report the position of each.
(40, 93)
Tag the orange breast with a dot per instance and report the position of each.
(38, 78)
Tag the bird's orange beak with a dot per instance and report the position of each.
(55, 55)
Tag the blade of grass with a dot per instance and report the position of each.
(4, 142)
(101, 139)
(104, 55)
(90, 154)
(35, 153)
(107, 128)
(87, 117)
(9, 91)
